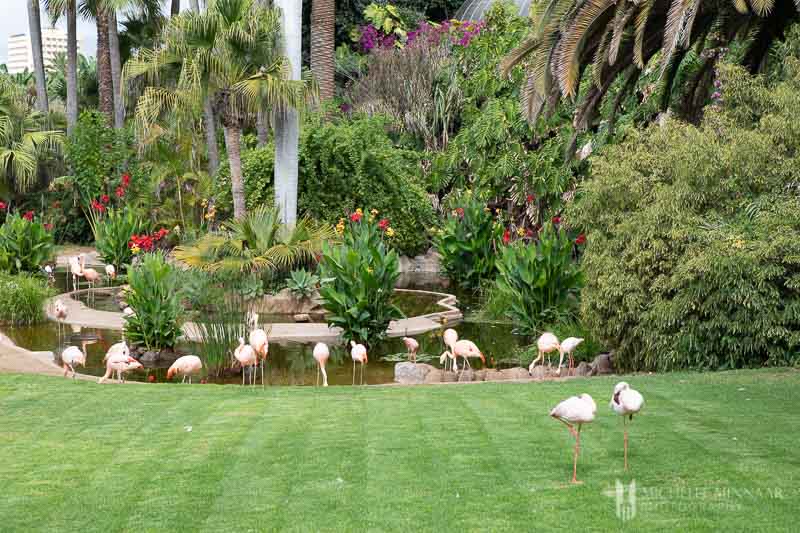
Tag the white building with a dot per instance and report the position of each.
(20, 54)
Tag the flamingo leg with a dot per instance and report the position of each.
(354, 372)
(575, 460)
(560, 362)
(243, 373)
(625, 426)
(362, 373)
(318, 367)
(571, 364)
(263, 364)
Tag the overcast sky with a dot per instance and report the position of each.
(15, 20)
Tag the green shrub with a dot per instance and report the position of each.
(155, 298)
(258, 171)
(692, 255)
(539, 282)
(363, 271)
(112, 234)
(302, 283)
(24, 244)
(468, 241)
(22, 299)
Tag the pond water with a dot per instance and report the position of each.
(288, 363)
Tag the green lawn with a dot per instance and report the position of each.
(712, 452)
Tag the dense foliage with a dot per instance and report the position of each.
(22, 299)
(692, 254)
(112, 235)
(302, 283)
(25, 244)
(361, 275)
(156, 302)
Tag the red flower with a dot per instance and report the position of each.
(28, 216)
(383, 224)
(97, 206)
(105, 199)
(355, 217)
(151, 378)
(3, 205)
(120, 192)
(48, 226)
(529, 232)
(530, 198)
(556, 220)
(506, 237)
(581, 239)
(160, 234)
(460, 211)
(126, 180)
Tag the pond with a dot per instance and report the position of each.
(288, 363)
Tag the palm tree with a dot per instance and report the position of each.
(287, 123)
(175, 8)
(72, 65)
(617, 39)
(323, 36)
(35, 24)
(230, 53)
(25, 144)
(86, 86)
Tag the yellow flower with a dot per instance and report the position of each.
(520, 232)
(204, 202)
(135, 249)
(374, 212)
(486, 210)
(359, 211)
(369, 270)
(497, 211)
(389, 232)
(738, 243)
(444, 320)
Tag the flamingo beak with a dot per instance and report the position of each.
(483, 359)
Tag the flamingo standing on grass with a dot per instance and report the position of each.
(359, 354)
(119, 349)
(626, 402)
(73, 356)
(450, 337)
(576, 410)
(321, 355)
(412, 346)
(246, 356)
(546, 344)
(185, 366)
(568, 346)
(120, 364)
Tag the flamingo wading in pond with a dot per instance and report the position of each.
(359, 354)
(321, 355)
(546, 344)
(76, 271)
(89, 274)
(568, 346)
(575, 411)
(260, 342)
(60, 311)
(626, 402)
(185, 366)
(73, 356)
(450, 337)
(246, 356)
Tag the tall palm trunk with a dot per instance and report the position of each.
(105, 81)
(262, 129)
(323, 34)
(34, 22)
(116, 69)
(211, 136)
(196, 5)
(72, 65)
(287, 122)
(175, 8)
(232, 144)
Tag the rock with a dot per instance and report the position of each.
(408, 373)
(430, 262)
(490, 374)
(515, 373)
(539, 372)
(584, 369)
(603, 364)
(585, 151)
(434, 376)
(449, 377)
(149, 357)
(302, 317)
(285, 303)
(466, 375)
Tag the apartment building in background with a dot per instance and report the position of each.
(20, 54)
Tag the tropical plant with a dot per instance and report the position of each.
(691, 259)
(230, 52)
(219, 331)
(112, 235)
(156, 302)
(258, 242)
(302, 283)
(26, 140)
(468, 240)
(362, 272)
(618, 40)
(86, 79)
(22, 299)
(25, 244)
(539, 282)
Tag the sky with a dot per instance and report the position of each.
(15, 21)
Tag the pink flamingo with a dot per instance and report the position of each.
(576, 410)
(568, 345)
(120, 349)
(185, 366)
(246, 356)
(321, 355)
(60, 310)
(447, 356)
(412, 346)
(546, 344)
(76, 271)
(73, 356)
(626, 402)
(450, 337)
(89, 274)
(260, 343)
(359, 354)
(111, 273)
(120, 364)
(466, 350)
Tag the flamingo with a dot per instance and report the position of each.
(577, 410)
(121, 349)
(120, 364)
(111, 273)
(60, 310)
(89, 274)
(76, 270)
(51, 278)
(412, 346)
(626, 402)
(321, 355)
(546, 343)
(359, 354)
(450, 337)
(72, 356)
(466, 350)
(446, 356)
(568, 346)
(128, 312)
(185, 366)
(245, 355)
(260, 343)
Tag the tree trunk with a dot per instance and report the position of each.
(72, 66)
(287, 123)
(116, 69)
(232, 140)
(323, 35)
(105, 81)
(262, 129)
(211, 137)
(196, 5)
(176, 7)
(35, 25)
